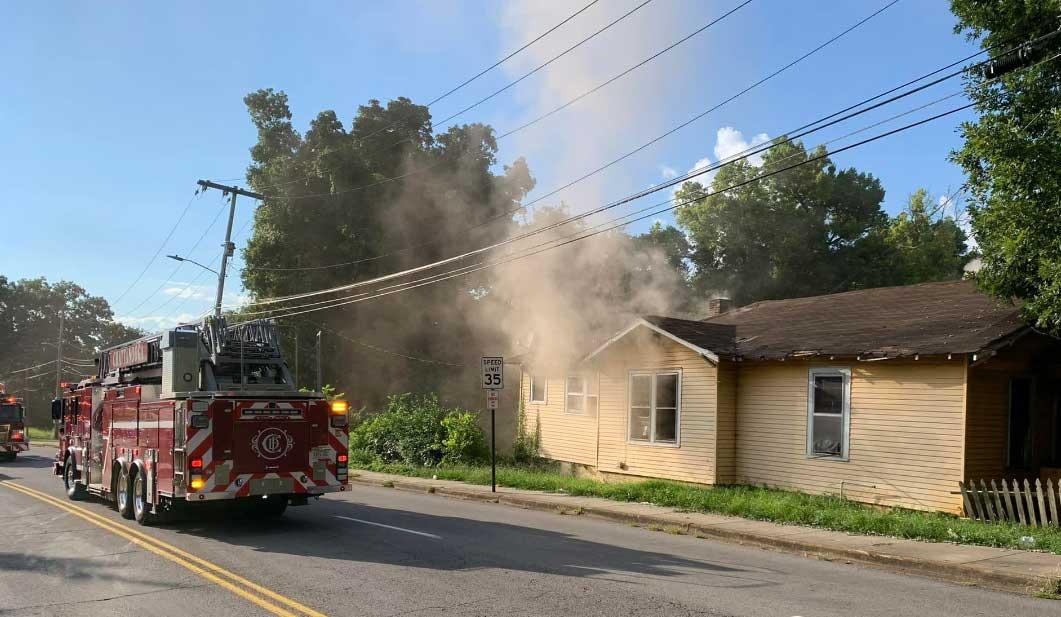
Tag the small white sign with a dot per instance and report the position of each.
(492, 397)
(493, 373)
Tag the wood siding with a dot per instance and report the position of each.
(693, 459)
(726, 431)
(987, 424)
(564, 436)
(906, 438)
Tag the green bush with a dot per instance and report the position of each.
(527, 445)
(464, 441)
(417, 429)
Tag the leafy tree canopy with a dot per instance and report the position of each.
(1011, 156)
(29, 330)
(815, 229)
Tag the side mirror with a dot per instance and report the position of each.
(57, 409)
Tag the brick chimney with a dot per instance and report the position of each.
(717, 306)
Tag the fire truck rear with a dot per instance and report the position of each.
(13, 436)
(198, 414)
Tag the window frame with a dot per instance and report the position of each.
(585, 394)
(845, 423)
(530, 391)
(653, 374)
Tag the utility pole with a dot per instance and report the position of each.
(58, 370)
(228, 246)
(320, 383)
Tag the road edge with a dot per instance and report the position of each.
(954, 573)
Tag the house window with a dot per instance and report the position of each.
(581, 395)
(1020, 422)
(828, 413)
(538, 391)
(655, 405)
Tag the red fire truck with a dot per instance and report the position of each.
(199, 413)
(13, 437)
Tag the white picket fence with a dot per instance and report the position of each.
(1031, 504)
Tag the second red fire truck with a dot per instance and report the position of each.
(13, 437)
(199, 413)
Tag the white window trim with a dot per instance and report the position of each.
(530, 391)
(846, 423)
(585, 394)
(653, 373)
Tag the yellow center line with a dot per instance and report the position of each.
(204, 568)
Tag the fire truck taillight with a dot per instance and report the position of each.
(340, 407)
(18, 436)
(342, 459)
(197, 465)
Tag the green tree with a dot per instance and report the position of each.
(333, 199)
(29, 329)
(925, 248)
(812, 230)
(1011, 156)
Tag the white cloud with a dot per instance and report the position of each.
(186, 291)
(730, 142)
(667, 172)
(152, 323)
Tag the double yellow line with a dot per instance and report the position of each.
(267, 599)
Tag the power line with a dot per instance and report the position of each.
(545, 64)
(160, 247)
(30, 368)
(167, 280)
(382, 349)
(343, 302)
(509, 133)
(817, 126)
(714, 167)
(495, 64)
(640, 148)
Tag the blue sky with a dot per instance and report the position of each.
(111, 112)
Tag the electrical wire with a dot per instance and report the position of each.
(628, 154)
(816, 126)
(382, 349)
(160, 247)
(708, 169)
(167, 280)
(651, 214)
(30, 368)
(509, 133)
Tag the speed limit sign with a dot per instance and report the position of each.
(493, 373)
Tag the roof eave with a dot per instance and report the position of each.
(707, 354)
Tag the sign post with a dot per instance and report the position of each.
(493, 382)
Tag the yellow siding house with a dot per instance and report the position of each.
(888, 396)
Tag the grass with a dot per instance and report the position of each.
(37, 433)
(765, 504)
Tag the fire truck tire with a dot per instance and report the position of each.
(8, 457)
(141, 508)
(75, 491)
(123, 491)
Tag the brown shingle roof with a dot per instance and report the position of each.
(930, 318)
(717, 337)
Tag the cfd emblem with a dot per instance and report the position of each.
(272, 443)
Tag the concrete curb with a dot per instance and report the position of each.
(964, 574)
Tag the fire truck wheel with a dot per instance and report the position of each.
(74, 489)
(124, 492)
(141, 508)
(8, 457)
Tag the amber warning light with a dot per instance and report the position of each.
(340, 407)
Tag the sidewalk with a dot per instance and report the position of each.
(1003, 569)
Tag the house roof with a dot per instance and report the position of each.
(927, 319)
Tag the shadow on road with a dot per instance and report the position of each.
(464, 544)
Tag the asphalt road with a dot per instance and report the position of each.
(383, 552)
